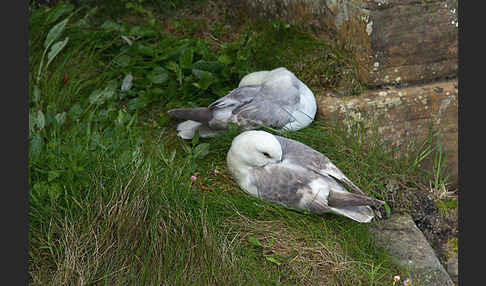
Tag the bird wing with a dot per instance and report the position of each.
(236, 97)
(256, 105)
(300, 154)
(296, 187)
(285, 185)
(263, 112)
(273, 106)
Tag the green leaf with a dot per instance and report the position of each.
(211, 66)
(158, 76)
(185, 60)
(122, 117)
(175, 67)
(59, 11)
(145, 50)
(41, 119)
(55, 49)
(75, 111)
(123, 60)
(32, 120)
(55, 32)
(186, 148)
(201, 150)
(110, 25)
(35, 146)
(61, 118)
(451, 204)
(36, 94)
(54, 191)
(205, 78)
(96, 97)
(99, 97)
(195, 139)
(142, 31)
(272, 259)
(255, 241)
(387, 210)
(136, 103)
(52, 175)
(197, 73)
(157, 92)
(172, 66)
(225, 59)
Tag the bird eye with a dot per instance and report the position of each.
(266, 154)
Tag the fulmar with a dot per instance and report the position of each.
(290, 173)
(275, 98)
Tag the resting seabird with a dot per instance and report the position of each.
(275, 98)
(292, 174)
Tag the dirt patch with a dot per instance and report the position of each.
(439, 226)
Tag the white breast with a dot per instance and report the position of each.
(242, 175)
(306, 111)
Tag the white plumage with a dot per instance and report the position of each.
(292, 174)
(275, 98)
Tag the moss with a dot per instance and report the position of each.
(321, 64)
(318, 60)
(453, 247)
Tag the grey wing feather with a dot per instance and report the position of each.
(237, 97)
(265, 113)
(291, 188)
(273, 106)
(270, 104)
(309, 158)
(280, 185)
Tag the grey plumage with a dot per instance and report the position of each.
(289, 173)
(274, 98)
(200, 114)
(301, 154)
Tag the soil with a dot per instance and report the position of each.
(440, 227)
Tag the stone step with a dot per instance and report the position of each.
(401, 115)
(410, 250)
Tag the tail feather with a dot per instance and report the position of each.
(344, 199)
(187, 129)
(199, 114)
(354, 206)
(362, 214)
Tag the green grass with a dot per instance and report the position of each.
(111, 198)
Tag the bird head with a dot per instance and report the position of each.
(255, 149)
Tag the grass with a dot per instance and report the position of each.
(111, 198)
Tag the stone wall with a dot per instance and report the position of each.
(401, 115)
(394, 41)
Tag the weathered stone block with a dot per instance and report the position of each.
(394, 41)
(401, 115)
(410, 250)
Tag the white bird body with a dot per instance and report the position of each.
(275, 98)
(292, 174)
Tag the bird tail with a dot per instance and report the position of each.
(199, 114)
(357, 213)
(353, 206)
(188, 128)
(340, 199)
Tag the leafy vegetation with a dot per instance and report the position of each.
(116, 198)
